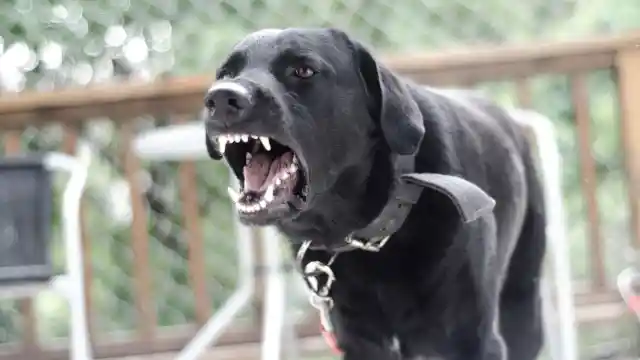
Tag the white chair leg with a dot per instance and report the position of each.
(73, 282)
(274, 315)
(219, 321)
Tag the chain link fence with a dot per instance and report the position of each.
(51, 44)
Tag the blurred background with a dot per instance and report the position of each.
(159, 237)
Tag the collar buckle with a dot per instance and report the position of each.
(371, 246)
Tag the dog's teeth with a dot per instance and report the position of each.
(222, 143)
(278, 182)
(238, 138)
(263, 204)
(245, 138)
(285, 176)
(254, 137)
(247, 158)
(265, 142)
(234, 195)
(268, 195)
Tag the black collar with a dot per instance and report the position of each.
(470, 201)
(403, 196)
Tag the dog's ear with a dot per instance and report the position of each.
(391, 102)
(212, 149)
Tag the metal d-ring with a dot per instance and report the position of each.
(311, 270)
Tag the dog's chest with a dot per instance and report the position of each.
(403, 302)
(400, 308)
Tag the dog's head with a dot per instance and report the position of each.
(300, 115)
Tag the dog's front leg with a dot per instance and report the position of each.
(486, 274)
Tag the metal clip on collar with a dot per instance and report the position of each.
(310, 272)
(372, 246)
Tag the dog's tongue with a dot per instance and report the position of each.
(256, 171)
(262, 168)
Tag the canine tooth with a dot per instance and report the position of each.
(263, 204)
(268, 195)
(233, 194)
(222, 143)
(265, 142)
(245, 138)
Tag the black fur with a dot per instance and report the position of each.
(438, 289)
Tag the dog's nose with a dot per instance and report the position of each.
(229, 102)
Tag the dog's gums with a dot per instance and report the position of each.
(271, 172)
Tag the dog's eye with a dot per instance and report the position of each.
(303, 72)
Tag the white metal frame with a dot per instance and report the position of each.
(71, 284)
(275, 301)
(74, 288)
(187, 143)
(557, 290)
(210, 332)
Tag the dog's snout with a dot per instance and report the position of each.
(228, 101)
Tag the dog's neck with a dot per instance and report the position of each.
(353, 203)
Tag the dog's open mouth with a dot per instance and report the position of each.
(270, 173)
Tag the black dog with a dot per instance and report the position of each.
(326, 141)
